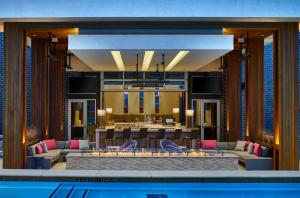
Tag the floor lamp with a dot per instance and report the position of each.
(189, 114)
(101, 117)
(176, 114)
(108, 114)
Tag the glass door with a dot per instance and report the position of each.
(207, 118)
(77, 119)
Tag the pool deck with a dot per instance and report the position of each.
(149, 176)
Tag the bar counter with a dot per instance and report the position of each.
(135, 129)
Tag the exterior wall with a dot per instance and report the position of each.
(268, 88)
(1, 80)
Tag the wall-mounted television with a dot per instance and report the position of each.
(206, 85)
(82, 85)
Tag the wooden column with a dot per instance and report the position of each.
(15, 97)
(233, 96)
(255, 90)
(286, 99)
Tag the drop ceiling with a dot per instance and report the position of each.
(95, 50)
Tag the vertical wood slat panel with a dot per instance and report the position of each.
(15, 98)
(39, 81)
(255, 89)
(56, 102)
(233, 96)
(287, 101)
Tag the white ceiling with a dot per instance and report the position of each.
(95, 50)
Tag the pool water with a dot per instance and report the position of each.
(147, 190)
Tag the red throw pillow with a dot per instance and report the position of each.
(74, 144)
(39, 149)
(257, 150)
(247, 144)
(208, 144)
(51, 144)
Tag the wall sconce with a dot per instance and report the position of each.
(108, 110)
(189, 118)
(176, 114)
(101, 114)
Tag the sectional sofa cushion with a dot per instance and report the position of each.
(208, 144)
(74, 144)
(83, 144)
(250, 147)
(222, 145)
(51, 144)
(44, 147)
(257, 150)
(240, 146)
(61, 144)
(38, 149)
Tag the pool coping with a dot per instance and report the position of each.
(148, 176)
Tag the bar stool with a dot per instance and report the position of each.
(194, 135)
(161, 135)
(177, 135)
(143, 135)
(125, 135)
(109, 136)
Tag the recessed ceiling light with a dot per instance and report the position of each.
(176, 60)
(118, 60)
(147, 60)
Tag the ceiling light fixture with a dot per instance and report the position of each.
(147, 60)
(176, 60)
(118, 60)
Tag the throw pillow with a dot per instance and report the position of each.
(84, 144)
(240, 146)
(44, 147)
(250, 147)
(74, 144)
(31, 151)
(51, 144)
(257, 150)
(208, 144)
(265, 152)
(246, 145)
(38, 149)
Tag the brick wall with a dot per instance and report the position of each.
(1, 80)
(28, 87)
(268, 88)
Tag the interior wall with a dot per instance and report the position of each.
(167, 101)
(115, 100)
(133, 102)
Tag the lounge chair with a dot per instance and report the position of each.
(169, 146)
(127, 146)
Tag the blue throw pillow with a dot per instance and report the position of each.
(44, 147)
(265, 151)
(31, 151)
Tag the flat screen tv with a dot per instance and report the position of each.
(83, 85)
(206, 85)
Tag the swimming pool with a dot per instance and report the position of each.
(147, 190)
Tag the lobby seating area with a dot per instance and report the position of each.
(46, 154)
